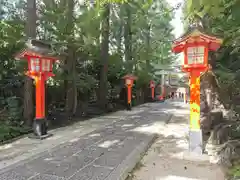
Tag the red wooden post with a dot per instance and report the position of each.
(129, 94)
(40, 96)
(152, 86)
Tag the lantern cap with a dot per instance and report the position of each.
(37, 48)
(130, 76)
(197, 34)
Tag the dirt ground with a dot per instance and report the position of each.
(166, 159)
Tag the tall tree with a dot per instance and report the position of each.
(71, 93)
(128, 38)
(104, 57)
(28, 82)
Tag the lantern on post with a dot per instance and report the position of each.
(129, 80)
(195, 45)
(40, 65)
(152, 86)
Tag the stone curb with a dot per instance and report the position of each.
(129, 163)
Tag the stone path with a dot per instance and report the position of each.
(104, 148)
(167, 159)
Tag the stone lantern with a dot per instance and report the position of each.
(195, 44)
(129, 80)
(40, 65)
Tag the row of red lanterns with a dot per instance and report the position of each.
(195, 46)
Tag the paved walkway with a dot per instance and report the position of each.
(167, 159)
(104, 148)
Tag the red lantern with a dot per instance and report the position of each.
(129, 79)
(152, 86)
(40, 64)
(195, 46)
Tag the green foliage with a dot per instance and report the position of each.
(8, 132)
(234, 172)
(14, 109)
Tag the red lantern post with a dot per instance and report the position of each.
(129, 80)
(40, 64)
(152, 86)
(195, 46)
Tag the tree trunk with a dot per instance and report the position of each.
(120, 31)
(128, 39)
(103, 90)
(148, 34)
(71, 93)
(28, 82)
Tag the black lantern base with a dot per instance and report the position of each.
(129, 106)
(40, 129)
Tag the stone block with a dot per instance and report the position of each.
(216, 117)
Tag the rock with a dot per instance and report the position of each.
(235, 130)
(110, 107)
(220, 134)
(220, 145)
(216, 117)
(206, 122)
(225, 154)
(230, 114)
(203, 107)
(230, 153)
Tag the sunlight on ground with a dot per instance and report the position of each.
(7, 146)
(113, 117)
(95, 135)
(74, 140)
(54, 137)
(107, 144)
(135, 116)
(171, 111)
(178, 133)
(134, 111)
(77, 130)
(127, 125)
(161, 129)
(148, 129)
(170, 177)
(158, 111)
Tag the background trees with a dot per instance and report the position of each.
(97, 45)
